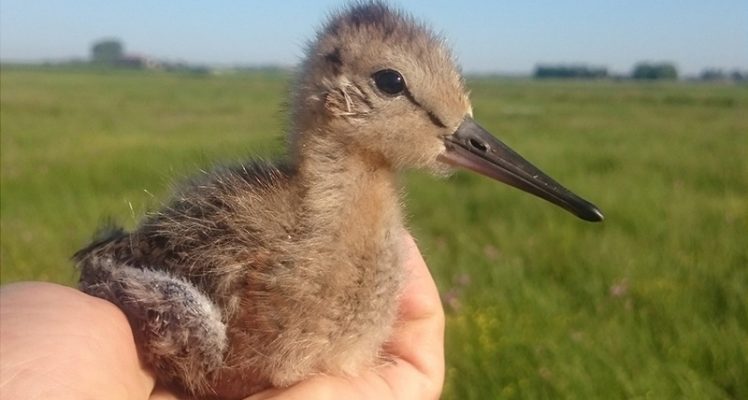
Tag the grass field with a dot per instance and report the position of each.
(650, 304)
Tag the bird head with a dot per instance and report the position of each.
(377, 81)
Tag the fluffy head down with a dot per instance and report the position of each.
(338, 95)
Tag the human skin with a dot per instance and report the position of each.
(57, 342)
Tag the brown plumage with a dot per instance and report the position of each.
(263, 275)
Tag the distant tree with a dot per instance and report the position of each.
(739, 76)
(570, 71)
(108, 51)
(652, 71)
(713, 74)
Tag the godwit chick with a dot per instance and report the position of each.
(265, 274)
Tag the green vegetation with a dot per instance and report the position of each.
(561, 71)
(655, 71)
(649, 304)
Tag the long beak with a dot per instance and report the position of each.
(474, 148)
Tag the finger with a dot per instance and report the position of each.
(418, 338)
(420, 298)
(57, 342)
(370, 386)
(160, 393)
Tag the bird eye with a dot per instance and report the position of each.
(389, 81)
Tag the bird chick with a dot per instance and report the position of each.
(263, 275)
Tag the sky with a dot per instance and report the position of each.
(486, 36)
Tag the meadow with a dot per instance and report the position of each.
(652, 303)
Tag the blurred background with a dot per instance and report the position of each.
(512, 38)
(639, 106)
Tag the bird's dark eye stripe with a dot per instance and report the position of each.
(389, 81)
(392, 82)
(435, 120)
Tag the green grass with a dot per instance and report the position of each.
(650, 304)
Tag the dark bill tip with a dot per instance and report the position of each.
(474, 148)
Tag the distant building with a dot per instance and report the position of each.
(137, 62)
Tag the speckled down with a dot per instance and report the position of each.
(265, 274)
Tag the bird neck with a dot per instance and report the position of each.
(346, 194)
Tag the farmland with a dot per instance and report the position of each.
(652, 303)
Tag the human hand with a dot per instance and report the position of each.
(56, 342)
(59, 343)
